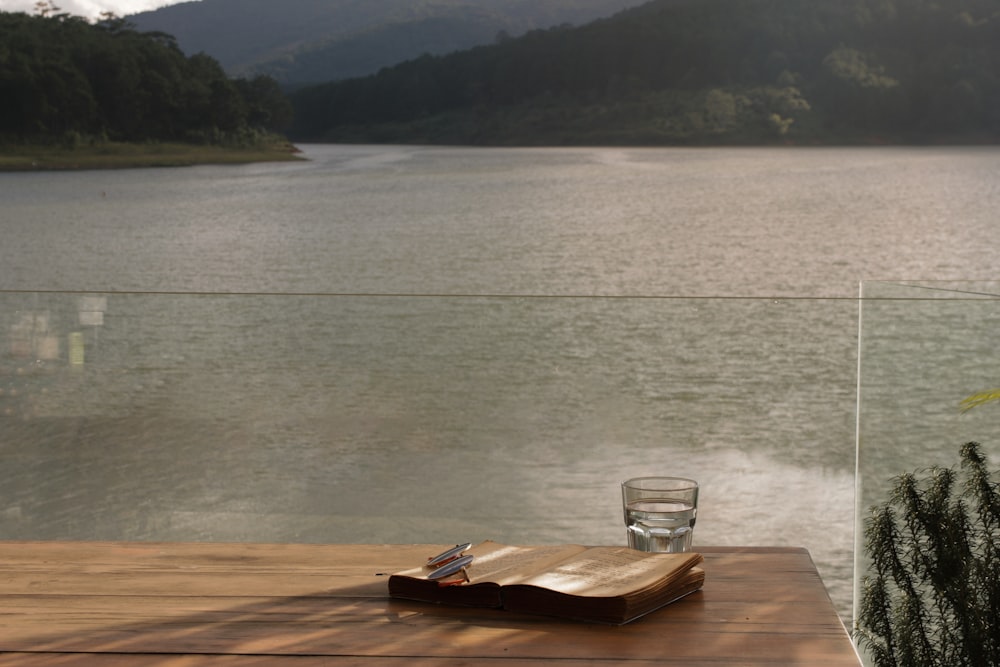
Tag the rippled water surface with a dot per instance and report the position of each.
(385, 344)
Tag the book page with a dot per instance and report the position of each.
(503, 564)
(612, 571)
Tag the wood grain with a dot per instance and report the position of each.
(222, 605)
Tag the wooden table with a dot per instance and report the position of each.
(228, 605)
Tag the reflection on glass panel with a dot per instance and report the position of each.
(324, 418)
(923, 347)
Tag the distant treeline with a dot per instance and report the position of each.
(64, 79)
(694, 71)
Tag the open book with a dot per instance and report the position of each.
(603, 584)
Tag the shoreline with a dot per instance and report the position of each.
(114, 155)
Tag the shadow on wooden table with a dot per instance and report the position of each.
(72, 605)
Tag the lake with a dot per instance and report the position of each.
(424, 344)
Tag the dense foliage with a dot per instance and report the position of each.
(933, 597)
(65, 79)
(694, 71)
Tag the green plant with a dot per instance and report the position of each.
(933, 595)
(979, 398)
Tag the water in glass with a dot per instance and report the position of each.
(662, 525)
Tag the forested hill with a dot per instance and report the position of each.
(694, 71)
(65, 80)
(313, 41)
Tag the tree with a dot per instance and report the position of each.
(267, 106)
(867, 96)
(46, 9)
(933, 597)
(63, 78)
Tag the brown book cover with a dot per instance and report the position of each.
(602, 584)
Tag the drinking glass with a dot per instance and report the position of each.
(660, 513)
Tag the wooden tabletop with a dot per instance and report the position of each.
(238, 605)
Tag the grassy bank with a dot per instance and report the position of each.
(112, 155)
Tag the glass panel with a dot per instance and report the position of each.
(326, 418)
(923, 347)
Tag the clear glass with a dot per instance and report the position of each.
(660, 513)
(924, 346)
(424, 419)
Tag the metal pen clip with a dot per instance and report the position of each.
(452, 567)
(449, 563)
(449, 555)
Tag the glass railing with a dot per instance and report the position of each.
(923, 348)
(406, 418)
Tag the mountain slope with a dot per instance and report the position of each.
(694, 71)
(299, 41)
